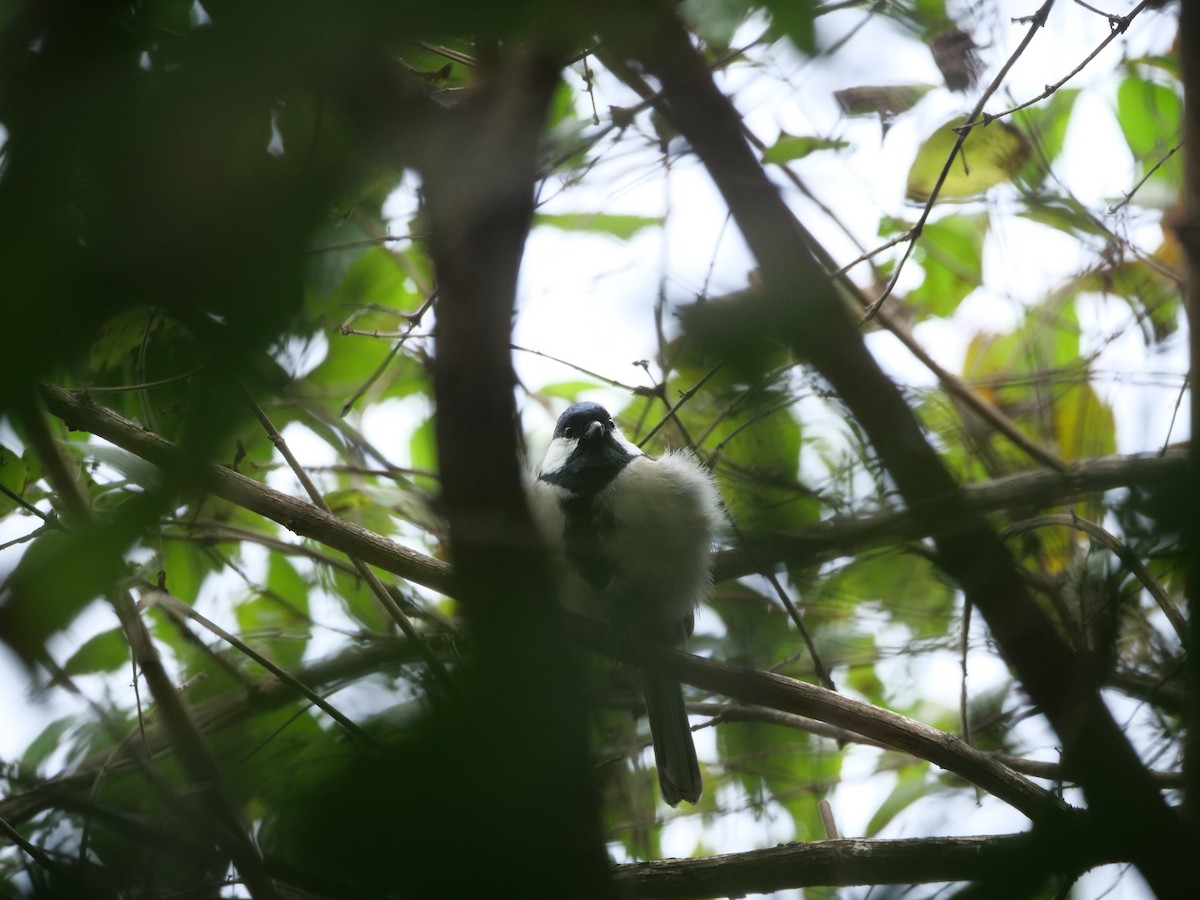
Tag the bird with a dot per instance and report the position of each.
(633, 537)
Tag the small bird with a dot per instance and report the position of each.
(634, 537)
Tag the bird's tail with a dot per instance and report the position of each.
(674, 752)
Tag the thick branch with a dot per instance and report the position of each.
(523, 688)
(1040, 489)
(1036, 490)
(849, 861)
(799, 305)
(785, 694)
(298, 516)
(1188, 231)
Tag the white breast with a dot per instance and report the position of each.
(665, 515)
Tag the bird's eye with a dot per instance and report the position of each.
(569, 431)
(610, 424)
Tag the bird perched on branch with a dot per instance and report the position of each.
(634, 535)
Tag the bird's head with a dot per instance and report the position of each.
(587, 451)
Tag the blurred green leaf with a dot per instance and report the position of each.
(56, 578)
(278, 618)
(989, 156)
(185, 566)
(1046, 127)
(622, 227)
(1063, 214)
(794, 19)
(715, 20)
(950, 252)
(357, 599)
(423, 451)
(47, 741)
(789, 146)
(104, 652)
(912, 783)
(567, 390)
(1150, 116)
(13, 477)
(1084, 423)
(906, 585)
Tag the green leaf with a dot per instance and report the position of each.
(289, 587)
(951, 253)
(1063, 214)
(58, 575)
(122, 335)
(789, 146)
(104, 652)
(757, 630)
(1084, 424)
(911, 785)
(278, 619)
(379, 293)
(1046, 126)
(405, 503)
(794, 19)
(785, 764)
(567, 390)
(132, 468)
(358, 506)
(185, 566)
(360, 603)
(13, 477)
(622, 227)
(990, 155)
(715, 21)
(1149, 115)
(422, 447)
(908, 586)
(46, 742)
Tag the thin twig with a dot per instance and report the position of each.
(365, 572)
(1036, 21)
(413, 320)
(1118, 26)
(228, 827)
(673, 410)
(48, 518)
(636, 390)
(1121, 551)
(157, 597)
(1137, 187)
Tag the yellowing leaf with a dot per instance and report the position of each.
(885, 100)
(989, 155)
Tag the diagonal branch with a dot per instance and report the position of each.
(790, 696)
(298, 516)
(1117, 785)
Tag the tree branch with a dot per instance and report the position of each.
(788, 695)
(298, 516)
(1041, 489)
(799, 305)
(851, 861)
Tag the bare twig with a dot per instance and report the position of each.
(1125, 198)
(365, 572)
(1121, 551)
(1036, 21)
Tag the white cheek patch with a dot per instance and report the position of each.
(557, 454)
(631, 449)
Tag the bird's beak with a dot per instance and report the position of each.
(594, 432)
